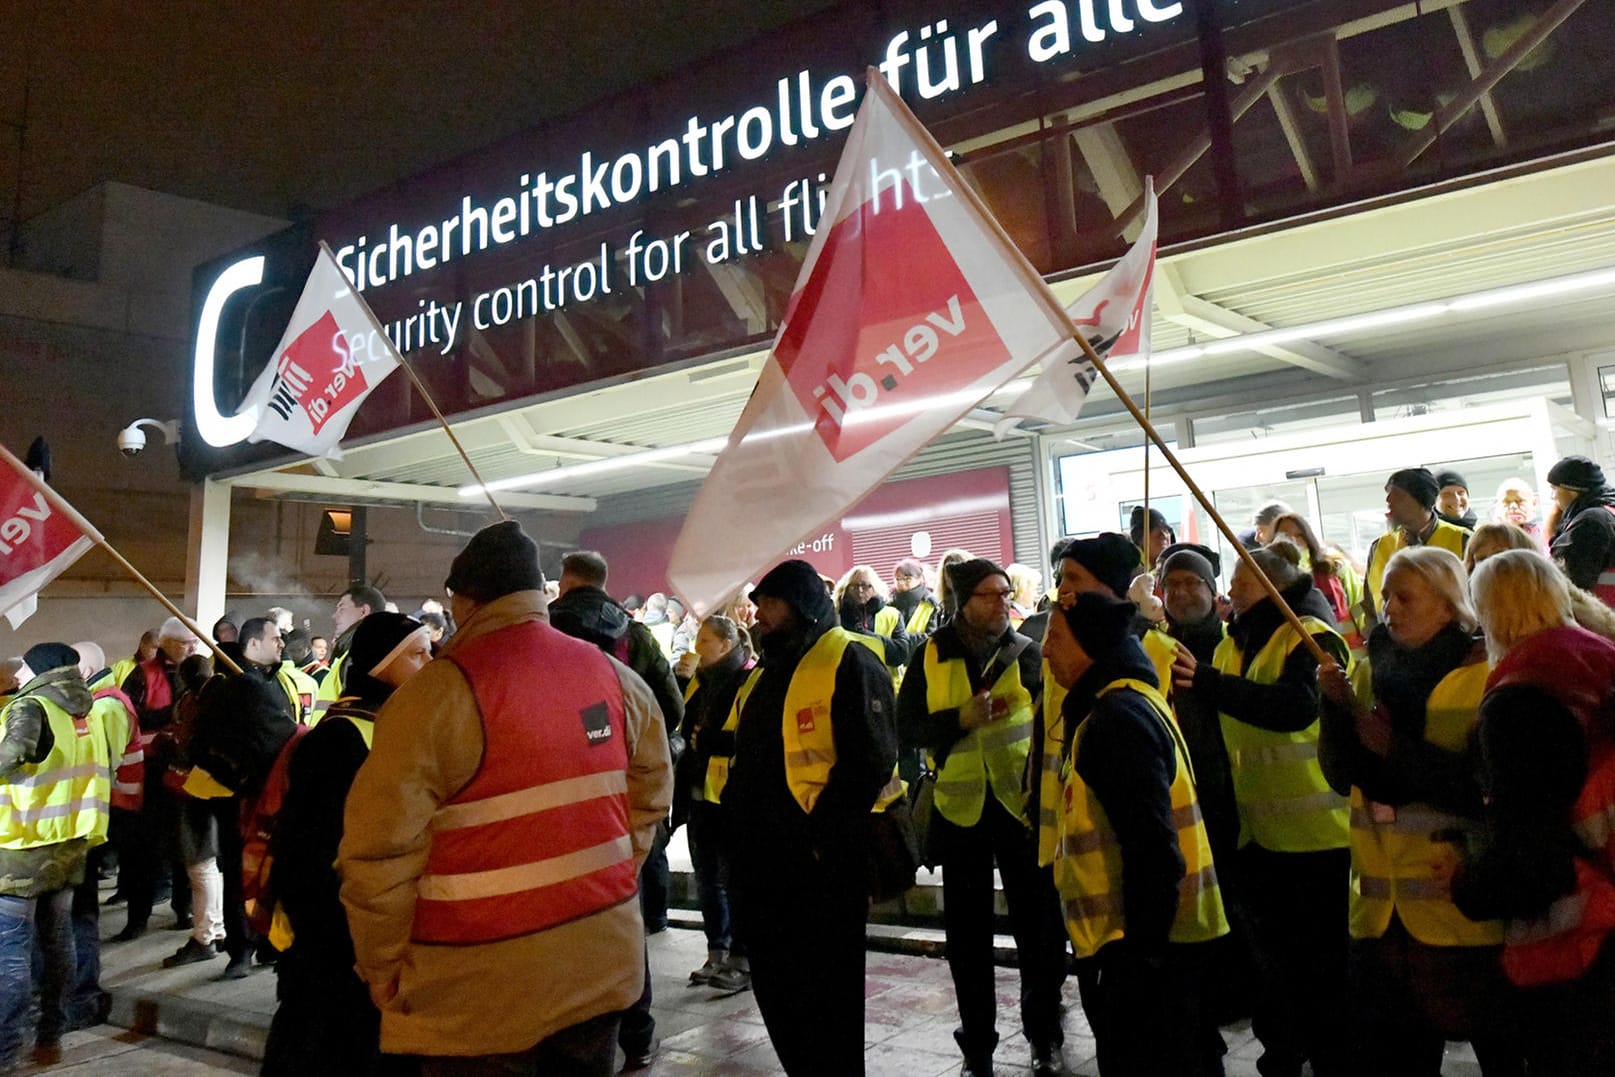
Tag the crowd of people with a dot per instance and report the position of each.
(1369, 806)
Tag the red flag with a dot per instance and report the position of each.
(39, 538)
(911, 307)
(332, 355)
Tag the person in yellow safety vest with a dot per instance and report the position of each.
(722, 658)
(1134, 868)
(114, 715)
(1107, 564)
(1422, 972)
(55, 792)
(491, 842)
(352, 606)
(1293, 861)
(144, 652)
(967, 700)
(1410, 498)
(864, 608)
(325, 1020)
(913, 599)
(815, 752)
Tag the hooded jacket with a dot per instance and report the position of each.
(773, 837)
(1584, 538)
(589, 614)
(26, 738)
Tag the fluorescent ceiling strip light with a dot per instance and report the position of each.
(1331, 327)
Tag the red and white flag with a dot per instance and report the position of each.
(39, 539)
(332, 355)
(1115, 315)
(911, 307)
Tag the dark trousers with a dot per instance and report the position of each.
(586, 1049)
(1145, 1012)
(655, 881)
(227, 817)
(803, 922)
(968, 856)
(1295, 906)
(1409, 999)
(709, 855)
(86, 1001)
(324, 1021)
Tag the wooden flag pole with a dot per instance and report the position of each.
(1199, 495)
(92, 532)
(426, 395)
(1144, 539)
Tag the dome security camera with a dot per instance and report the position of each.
(132, 439)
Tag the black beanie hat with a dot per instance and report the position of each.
(1099, 622)
(1135, 524)
(378, 639)
(965, 576)
(1573, 472)
(499, 560)
(1188, 559)
(1448, 478)
(799, 585)
(1111, 558)
(43, 656)
(1419, 484)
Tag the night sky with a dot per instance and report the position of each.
(286, 107)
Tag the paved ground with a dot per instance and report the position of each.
(910, 1014)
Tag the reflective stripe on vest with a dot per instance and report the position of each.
(119, 726)
(1285, 805)
(1050, 790)
(64, 796)
(1088, 868)
(541, 834)
(992, 754)
(810, 747)
(1394, 850)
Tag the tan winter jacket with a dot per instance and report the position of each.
(492, 998)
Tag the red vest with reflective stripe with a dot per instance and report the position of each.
(541, 834)
(1577, 668)
(129, 772)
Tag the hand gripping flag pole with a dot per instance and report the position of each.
(89, 531)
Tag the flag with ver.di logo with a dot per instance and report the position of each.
(38, 541)
(1115, 317)
(910, 308)
(332, 355)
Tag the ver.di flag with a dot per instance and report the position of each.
(332, 355)
(911, 307)
(1114, 315)
(37, 540)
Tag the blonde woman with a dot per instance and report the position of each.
(864, 606)
(1547, 763)
(1490, 539)
(946, 604)
(1421, 972)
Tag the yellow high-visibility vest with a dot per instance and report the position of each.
(66, 795)
(301, 691)
(330, 689)
(1285, 804)
(1088, 865)
(1394, 850)
(1449, 537)
(993, 754)
(920, 619)
(810, 747)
